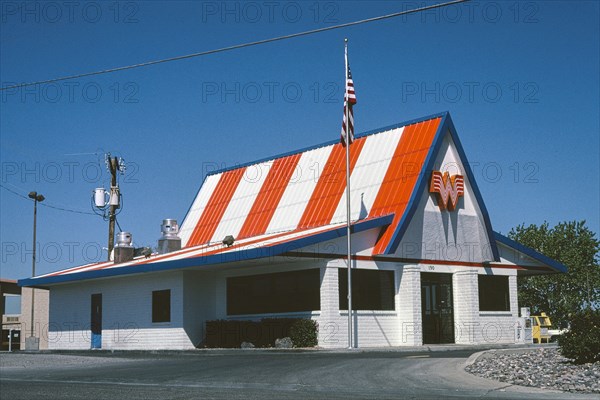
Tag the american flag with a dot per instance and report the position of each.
(349, 102)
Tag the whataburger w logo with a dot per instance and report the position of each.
(448, 188)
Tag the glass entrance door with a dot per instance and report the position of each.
(437, 308)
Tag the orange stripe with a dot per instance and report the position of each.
(330, 186)
(216, 206)
(401, 176)
(400, 183)
(268, 198)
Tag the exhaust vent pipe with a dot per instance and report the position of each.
(169, 241)
(123, 249)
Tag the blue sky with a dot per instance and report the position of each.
(520, 79)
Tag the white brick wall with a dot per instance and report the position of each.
(409, 306)
(329, 329)
(198, 296)
(370, 328)
(466, 306)
(482, 327)
(500, 327)
(126, 313)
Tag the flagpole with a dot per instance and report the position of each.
(347, 108)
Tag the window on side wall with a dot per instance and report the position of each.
(278, 292)
(371, 289)
(494, 294)
(161, 306)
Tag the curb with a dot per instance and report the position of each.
(483, 354)
(218, 351)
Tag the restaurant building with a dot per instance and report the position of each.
(268, 239)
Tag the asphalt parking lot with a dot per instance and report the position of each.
(252, 374)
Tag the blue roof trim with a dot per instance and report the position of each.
(446, 125)
(475, 188)
(555, 265)
(330, 142)
(235, 256)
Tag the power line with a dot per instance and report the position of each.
(239, 46)
(46, 204)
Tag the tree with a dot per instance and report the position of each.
(559, 295)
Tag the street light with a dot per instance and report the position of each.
(33, 344)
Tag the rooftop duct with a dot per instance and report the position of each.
(123, 249)
(169, 241)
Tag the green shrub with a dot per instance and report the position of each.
(582, 342)
(231, 333)
(303, 333)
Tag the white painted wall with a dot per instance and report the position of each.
(371, 328)
(409, 306)
(198, 296)
(199, 303)
(453, 236)
(126, 313)
(500, 326)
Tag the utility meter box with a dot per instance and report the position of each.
(524, 332)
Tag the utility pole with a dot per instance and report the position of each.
(99, 204)
(113, 166)
(32, 342)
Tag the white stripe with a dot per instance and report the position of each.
(245, 194)
(71, 269)
(368, 173)
(192, 217)
(298, 191)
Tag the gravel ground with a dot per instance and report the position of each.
(544, 368)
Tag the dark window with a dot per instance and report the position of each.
(274, 293)
(161, 306)
(371, 289)
(493, 293)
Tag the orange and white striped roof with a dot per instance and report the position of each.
(285, 203)
(306, 189)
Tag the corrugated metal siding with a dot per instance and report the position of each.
(402, 174)
(242, 200)
(300, 188)
(213, 212)
(330, 186)
(308, 189)
(368, 174)
(202, 198)
(264, 206)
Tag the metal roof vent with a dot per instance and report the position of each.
(123, 249)
(124, 239)
(169, 241)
